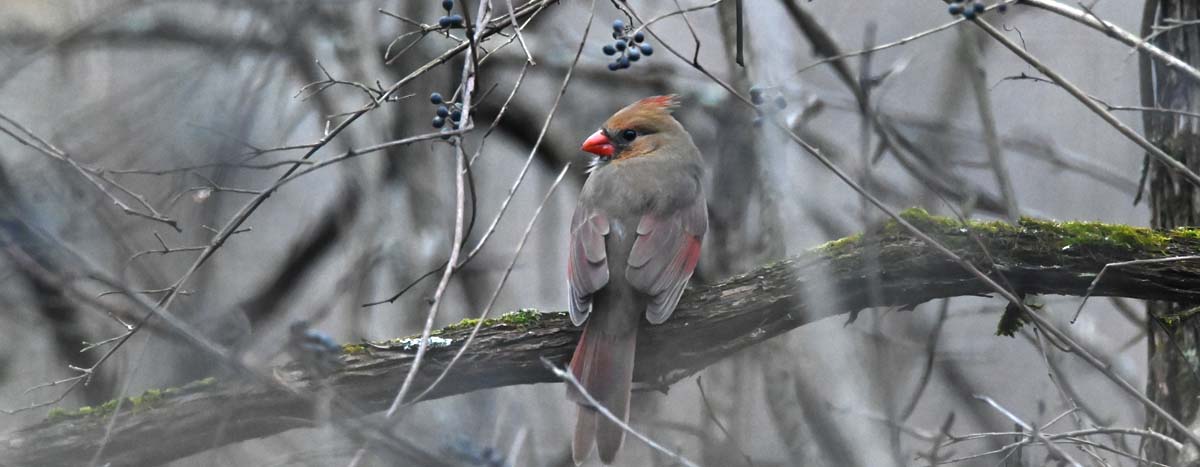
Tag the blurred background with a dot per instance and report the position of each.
(192, 105)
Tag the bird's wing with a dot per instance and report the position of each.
(665, 255)
(587, 262)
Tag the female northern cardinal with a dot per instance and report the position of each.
(635, 240)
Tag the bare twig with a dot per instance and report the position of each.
(712, 415)
(468, 87)
(931, 344)
(988, 121)
(1103, 270)
(495, 292)
(238, 165)
(1096, 108)
(524, 168)
(168, 250)
(455, 248)
(93, 176)
(680, 11)
(888, 45)
(512, 16)
(1108, 28)
(602, 410)
(1031, 430)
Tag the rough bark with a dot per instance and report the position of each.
(1173, 381)
(711, 323)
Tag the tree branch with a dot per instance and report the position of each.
(711, 323)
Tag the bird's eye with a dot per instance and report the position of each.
(628, 135)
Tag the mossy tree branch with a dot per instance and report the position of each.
(711, 323)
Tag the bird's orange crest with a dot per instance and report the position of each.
(667, 103)
(646, 111)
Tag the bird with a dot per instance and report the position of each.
(635, 240)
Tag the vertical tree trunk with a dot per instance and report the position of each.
(1173, 382)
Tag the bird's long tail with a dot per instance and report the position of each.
(603, 364)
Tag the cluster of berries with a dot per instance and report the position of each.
(970, 10)
(450, 21)
(627, 49)
(445, 111)
(315, 350)
(758, 98)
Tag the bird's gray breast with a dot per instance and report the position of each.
(631, 189)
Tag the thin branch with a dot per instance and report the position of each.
(495, 292)
(931, 344)
(680, 11)
(602, 410)
(431, 315)
(520, 37)
(1112, 30)
(1090, 103)
(987, 120)
(712, 415)
(1100, 275)
(470, 68)
(1032, 431)
(888, 45)
(95, 177)
(524, 168)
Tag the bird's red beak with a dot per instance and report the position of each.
(598, 144)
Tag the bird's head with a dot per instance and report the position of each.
(636, 130)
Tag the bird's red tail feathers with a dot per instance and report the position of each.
(603, 364)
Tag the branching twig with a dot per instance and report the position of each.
(1030, 430)
(495, 292)
(1103, 270)
(93, 176)
(602, 410)
(1108, 28)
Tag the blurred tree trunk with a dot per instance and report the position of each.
(1173, 381)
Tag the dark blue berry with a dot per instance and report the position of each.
(639, 37)
(456, 20)
(780, 102)
(620, 45)
(435, 98)
(634, 55)
(438, 122)
(456, 115)
(647, 50)
(979, 8)
(1003, 7)
(624, 61)
(955, 9)
(442, 111)
(758, 122)
(614, 66)
(756, 95)
(618, 26)
(448, 5)
(968, 14)
(609, 49)
(444, 21)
